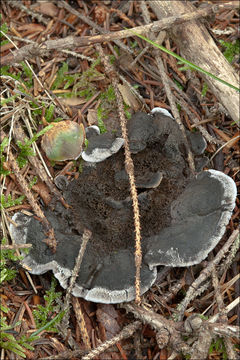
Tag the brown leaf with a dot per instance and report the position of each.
(47, 8)
(73, 101)
(43, 191)
(31, 28)
(107, 315)
(6, 47)
(125, 60)
(71, 18)
(92, 117)
(129, 97)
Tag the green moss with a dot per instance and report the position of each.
(4, 143)
(217, 345)
(60, 76)
(26, 147)
(9, 342)
(43, 314)
(204, 89)
(49, 112)
(232, 49)
(7, 272)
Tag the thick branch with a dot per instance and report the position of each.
(198, 47)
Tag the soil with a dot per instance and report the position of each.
(100, 197)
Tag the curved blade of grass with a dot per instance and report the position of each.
(58, 317)
(193, 66)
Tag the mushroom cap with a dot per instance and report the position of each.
(101, 147)
(199, 219)
(197, 142)
(63, 141)
(182, 219)
(160, 110)
(105, 280)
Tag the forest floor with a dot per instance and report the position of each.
(39, 86)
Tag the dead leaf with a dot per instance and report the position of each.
(71, 18)
(6, 47)
(234, 141)
(92, 117)
(73, 101)
(31, 28)
(129, 97)
(43, 192)
(11, 295)
(107, 315)
(125, 60)
(47, 8)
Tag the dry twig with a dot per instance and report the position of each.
(170, 96)
(71, 42)
(229, 348)
(129, 169)
(85, 238)
(18, 4)
(198, 47)
(16, 246)
(65, 355)
(193, 289)
(200, 348)
(174, 109)
(64, 325)
(158, 322)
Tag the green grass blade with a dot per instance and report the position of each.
(193, 66)
(50, 323)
